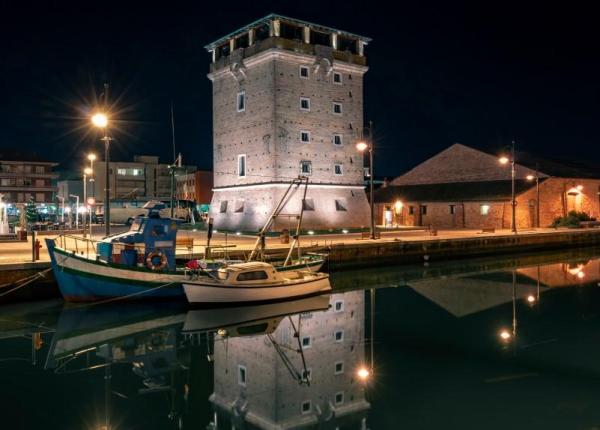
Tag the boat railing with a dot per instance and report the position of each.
(77, 244)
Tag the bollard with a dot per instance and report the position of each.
(33, 240)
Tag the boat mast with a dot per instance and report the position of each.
(296, 241)
(260, 240)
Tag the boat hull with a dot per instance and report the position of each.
(212, 293)
(83, 280)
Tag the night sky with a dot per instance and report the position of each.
(439, 74)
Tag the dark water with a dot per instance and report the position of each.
(438, 360)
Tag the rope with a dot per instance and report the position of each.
(114, 299)
(28, 280)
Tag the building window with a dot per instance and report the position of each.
(305, 136)
(484, 209)
(121, 172)
(338, 306)
(39, 169)
(308, 205)
(241, 101)
(366, 172)
(242, 375)
(411, 210)
(305, 104)
(338, 169)
(340, 205)
(423, 210)
(239, 206)
(304, 72)
(40, 197)
(337, 139)
(338, 336)
(305, 167)
(242, 165)
(339, 398)
(452, 209)
(306, 407)
(223, 208)
(306, 342)
(337, 78)
(339, 367)
(337, 108)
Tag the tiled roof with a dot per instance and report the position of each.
(452, 192)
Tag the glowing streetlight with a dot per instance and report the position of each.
(581, 275)
(100, 120)
(530, 299)
(503, 160)
(362, 146)
(91, 157)
(363, 373)
(505, 335)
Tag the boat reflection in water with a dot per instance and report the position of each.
(278, 365)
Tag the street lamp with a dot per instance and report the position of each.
(367, 145)
(536, 177)
(87, 171)
(100, 120)
(505, 160)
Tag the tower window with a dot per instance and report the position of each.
(306, 407)
(239, 206)
(452, 209)
(339, 367)
(305, 136)
(306, 342)
(337, 78)
(304, 72)
(223, 208)
(338, 306)
(340, 205)
(338, 169)
(308, 205)
(304, 103)
(337, 139)
(242, 165)
(339, 398)
(242, 375)
(338, 336)
(305, 167)
(424, 210)
(241, 101)
(337, 108)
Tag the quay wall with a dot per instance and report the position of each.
(346, 256)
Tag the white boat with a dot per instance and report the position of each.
(254, 282)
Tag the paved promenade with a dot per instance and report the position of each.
(20, 252)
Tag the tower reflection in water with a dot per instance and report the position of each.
(303, 374)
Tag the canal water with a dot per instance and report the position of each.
(503, 343)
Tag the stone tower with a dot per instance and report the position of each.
(288, 101)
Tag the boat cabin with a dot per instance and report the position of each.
(150, 242)
(255, 272)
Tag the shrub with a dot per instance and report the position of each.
(573, 219)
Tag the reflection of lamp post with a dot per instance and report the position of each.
(511, 160)
(76, 210)
(100, 120)
(362, 146)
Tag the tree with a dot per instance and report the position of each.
(31, 212)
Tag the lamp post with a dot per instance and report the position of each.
(100, 120)
(362, 146)
(537, 195)
(511, 160)
(87, 171)
(76, 210)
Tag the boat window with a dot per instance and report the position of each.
(253, 276)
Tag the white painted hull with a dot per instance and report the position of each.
(205, 293)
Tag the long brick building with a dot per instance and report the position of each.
(287, 101)
(462, 187)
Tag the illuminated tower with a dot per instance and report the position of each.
(287, 101)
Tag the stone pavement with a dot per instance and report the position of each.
(20, 252)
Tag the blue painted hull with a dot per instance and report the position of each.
(77, 286)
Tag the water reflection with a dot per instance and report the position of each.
(450, 340)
